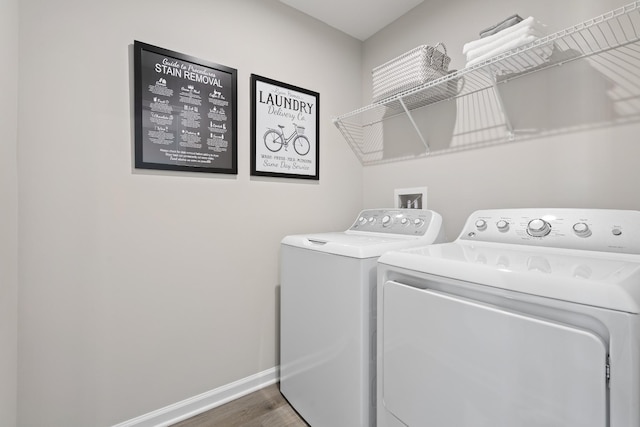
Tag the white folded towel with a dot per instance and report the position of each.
(522, 33)
(529, 23)
(543, 53)
(507, 39)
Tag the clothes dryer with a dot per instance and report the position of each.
(531, 318)
(328, 305)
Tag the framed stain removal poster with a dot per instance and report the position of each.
(185, 112)
(284, 130)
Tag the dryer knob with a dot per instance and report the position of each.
(538, 227)
(581, 229)
(404, 221)
(386, 221)
(362, 220)
(418, 222)
(502, 225)
(481, 224)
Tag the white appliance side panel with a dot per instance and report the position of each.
(448, 361)
(325, 328)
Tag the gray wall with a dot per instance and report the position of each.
(141, 289)
(125, 306)
(576, 164)
(8, 211)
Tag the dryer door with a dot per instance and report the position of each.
(448, 361)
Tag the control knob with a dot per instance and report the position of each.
(538, 227)
(502, 225)
(581, 229)
(481, 224)
(386, 221)
(418, 222)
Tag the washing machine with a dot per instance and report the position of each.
(530, 318)
(327, 313)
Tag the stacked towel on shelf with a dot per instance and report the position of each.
(526, 31)
(505, 23)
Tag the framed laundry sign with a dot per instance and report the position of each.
(185, 112)
(285, 135)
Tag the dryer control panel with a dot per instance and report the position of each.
(605, 230)
(406, 222)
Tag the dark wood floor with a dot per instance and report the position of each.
(263, 408)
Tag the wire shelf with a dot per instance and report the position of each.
(617, 30)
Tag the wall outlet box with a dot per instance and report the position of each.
(411, 198)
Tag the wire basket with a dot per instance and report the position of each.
(300, 130)
(411, 69)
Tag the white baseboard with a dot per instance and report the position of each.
(195, 405)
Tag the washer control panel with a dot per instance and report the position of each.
(406, 222)
(606, 230)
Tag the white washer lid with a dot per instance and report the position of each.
(366, 245)
(598, 279)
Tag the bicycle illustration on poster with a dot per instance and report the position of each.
(284, 130)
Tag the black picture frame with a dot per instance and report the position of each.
(185, 112)
(285, 130)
